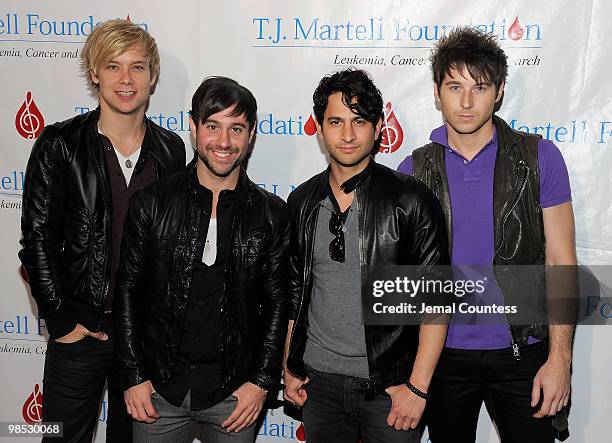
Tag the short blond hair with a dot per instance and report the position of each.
(111, 39)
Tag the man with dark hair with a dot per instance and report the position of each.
(80, 177)
(200, 303)
(356, 380)
(507, 201)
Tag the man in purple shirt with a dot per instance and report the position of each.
(507, 201)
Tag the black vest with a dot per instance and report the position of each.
(517, 215)
(517, 220)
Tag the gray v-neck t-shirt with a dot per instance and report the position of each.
(336, 335)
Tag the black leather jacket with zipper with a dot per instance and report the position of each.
(66, 218)
(155, 275)
(400, 223)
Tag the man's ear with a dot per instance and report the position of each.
(94, 77)
(377, 128)
(500, 92)
(153, 82)
(319, 127)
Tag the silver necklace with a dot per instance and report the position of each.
(128, 162)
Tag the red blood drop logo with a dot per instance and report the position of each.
(299, 433)
(392, 132)
(24, 274)
(29, 121)
(32, 408)
(310, 128)
(516, 31)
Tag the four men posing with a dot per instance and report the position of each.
(216, 274)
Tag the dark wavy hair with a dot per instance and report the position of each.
(469, 49)
(218, 93)
(359, 94)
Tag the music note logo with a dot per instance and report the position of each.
(32, 408)
(392, 132)
(29, 121)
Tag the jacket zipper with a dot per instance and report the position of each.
(226, 345)
(109, 245)
(361, 263)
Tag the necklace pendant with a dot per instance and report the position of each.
(129, 163)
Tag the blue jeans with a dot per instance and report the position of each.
(336, 412)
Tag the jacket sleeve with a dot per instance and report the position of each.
(430, 250)
(429, 240)
(129, 294)
(274, 307)
(179, 155)
(42, 227)
(296, 271)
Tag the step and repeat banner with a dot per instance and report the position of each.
(558, 86)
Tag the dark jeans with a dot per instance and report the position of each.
(73, 384)
(336, 412)
(465, 379)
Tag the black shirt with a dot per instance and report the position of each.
(121, 194)
(198, 367)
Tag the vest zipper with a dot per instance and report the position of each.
(516, 200)
(515, 348)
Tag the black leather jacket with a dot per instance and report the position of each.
(66, 218)
(154, 279)
(400, 223)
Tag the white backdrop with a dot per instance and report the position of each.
(558, 86)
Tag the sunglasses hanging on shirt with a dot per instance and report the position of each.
(336, 247)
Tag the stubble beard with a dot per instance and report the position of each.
(211, 168)
(352, 163)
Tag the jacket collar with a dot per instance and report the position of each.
(506, 139)
(245, 186)
(149, 145)
(506, 136)
(349, 185)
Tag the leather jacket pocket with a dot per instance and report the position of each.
(254, 254)
(78, 253)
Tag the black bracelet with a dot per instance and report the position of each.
(417, 391)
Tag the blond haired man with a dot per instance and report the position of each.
(80, 177)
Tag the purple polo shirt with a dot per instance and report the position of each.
(471, 194)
